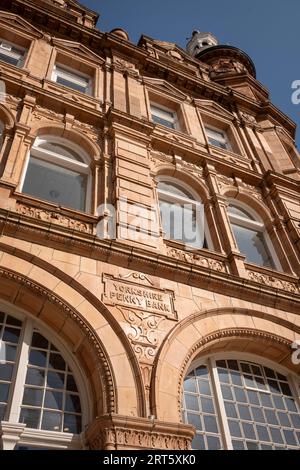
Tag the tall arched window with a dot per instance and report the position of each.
(241, 404)
(37, 385)
(251, 237)
(58, 171)
(182, 215)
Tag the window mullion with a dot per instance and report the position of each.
(21, 370)
(220, 405)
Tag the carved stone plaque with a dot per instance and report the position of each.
(122, 292)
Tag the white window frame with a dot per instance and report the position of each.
(210, 362)
(61, 161)
(39, 437)
(255, 225)
(6, 48)
(223, 139)
(173, 198)
(73, 76)
(160, 111)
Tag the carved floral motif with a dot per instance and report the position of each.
(198, 260)
(143, 332)
(53, 217)
(273, 282)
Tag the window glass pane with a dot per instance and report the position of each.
(60, 150)
(251, 243)
(71, 84)
(217, 138)
(35, 377)
(55, 380)
(72, 423)
(11, 335)
(172, 188)
(32, 396)
(45, 404)
(72, 80)
(163, 122)
(55, 184)
(181, 222)
(30, 417)
(203, 417)
(51, 421)
(240, 212)
(254, 422)
(163, 117)
(53, 400)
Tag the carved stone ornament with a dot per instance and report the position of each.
(118, 435)
(196, 259)
(273, 282)
(40, 113)
(125, 66)
(53, 217)
(228, 66)
(143, 332)
(248, 119)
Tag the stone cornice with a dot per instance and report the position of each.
(200, 274)
(94, 39)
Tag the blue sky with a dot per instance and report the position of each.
(268, 30)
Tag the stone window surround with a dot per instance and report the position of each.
(196, 200)
(226, 126)
(75, 166)
(20, 52)
(258, 225)
(75, 75)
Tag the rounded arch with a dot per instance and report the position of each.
(73, 135)
(219, 329)
(258, 207)
(73, 311)
(191, 181)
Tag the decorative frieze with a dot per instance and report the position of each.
(121, 433)
(273, 281)
(197, 259)
(53, 217)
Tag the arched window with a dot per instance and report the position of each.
(37, 385)
(58, 171)
(240, 404)
(182, 215)
(251, 237)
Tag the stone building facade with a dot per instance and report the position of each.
(116, 331)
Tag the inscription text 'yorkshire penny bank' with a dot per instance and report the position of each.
(136, 296)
